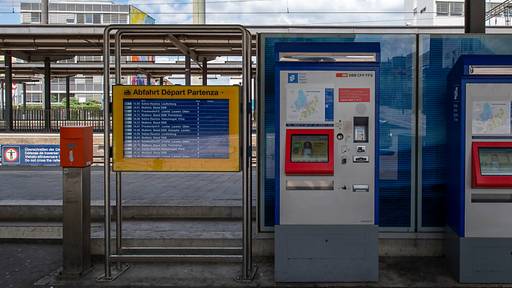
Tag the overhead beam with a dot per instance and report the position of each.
(184, 49)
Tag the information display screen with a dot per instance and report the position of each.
(495, 161)
(309, 148)
(176, 128)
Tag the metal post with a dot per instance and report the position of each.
(2, 102)
(68, 98)
(247, 268)
(205, 71)
(474, 16)
(119, 216)
(8, 92)
(148, 79)
(119, 207)
(188, 72)
(76, 242)
(47, 95)
(44, 11)
(24, 96)
(106, 143)
(161, 81)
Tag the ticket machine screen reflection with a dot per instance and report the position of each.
(309, 148)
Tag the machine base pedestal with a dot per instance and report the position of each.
(326, 253)
(479, 260)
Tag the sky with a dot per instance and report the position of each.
(260, 12)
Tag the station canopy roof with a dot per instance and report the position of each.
(34, 43)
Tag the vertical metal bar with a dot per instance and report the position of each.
(161, 81)
(474, 16)
(106, 143)
(44, 11)
(119, 208)
(246, 157)
(24, 96)
(68, 98)
(188, 72)
(47, 95)
(119, 216)
(205, 71)
(416, 185)
(8, 92)
(148, 79)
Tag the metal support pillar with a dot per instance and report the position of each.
(198, 11)
(205, 71)
(24, 96)
(47, 95)
(68, 98)
(161, 81)
(188, 72)
(8, 92)
(44, 11)
(106, 155)
(148, 79)
(248, 271)
(474, 16)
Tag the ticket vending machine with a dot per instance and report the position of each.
(326, 228)
(479, 233)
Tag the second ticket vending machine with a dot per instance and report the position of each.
(326, 208)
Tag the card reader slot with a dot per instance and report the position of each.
(360, 188)
(491, 198)
(309, 184)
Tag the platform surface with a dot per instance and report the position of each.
(215, 189)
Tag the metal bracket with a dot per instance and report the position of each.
(116, 272)
(252, 275)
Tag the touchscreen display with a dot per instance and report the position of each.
(310, 148)
(495, 161)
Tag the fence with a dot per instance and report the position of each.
(33, 120)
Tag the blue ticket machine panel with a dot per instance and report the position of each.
(479, 234)
(326, 187)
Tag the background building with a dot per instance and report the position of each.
(451, 13)
(80, 12)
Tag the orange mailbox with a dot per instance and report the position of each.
(76, 146)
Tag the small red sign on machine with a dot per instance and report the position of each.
(354, 95)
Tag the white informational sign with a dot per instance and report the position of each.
(305, 103)
(491, 117)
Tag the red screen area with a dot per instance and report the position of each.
(309, 152)
(491, 165)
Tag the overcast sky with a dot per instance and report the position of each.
(260, 12)
(281, 12)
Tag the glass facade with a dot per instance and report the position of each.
(437, 54)
(396, 124)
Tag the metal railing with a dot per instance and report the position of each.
(33, 120)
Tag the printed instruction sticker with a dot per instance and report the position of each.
(491, 117)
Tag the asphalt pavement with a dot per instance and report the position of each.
(138, 188)
(22, 264)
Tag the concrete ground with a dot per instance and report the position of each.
(215, 189)
(394, 272)
(21, 264)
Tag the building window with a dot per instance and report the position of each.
(449, 8)
(35, 17)
(456, 8)
(97, 19)
(443, 8)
